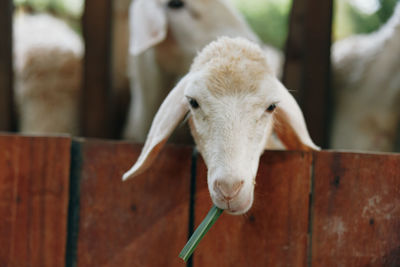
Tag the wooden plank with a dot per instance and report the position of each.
(34, 185)
(140, 222)
(307, 67)
(274, 231)
(7, 118)
(96, 96)
(356, 214)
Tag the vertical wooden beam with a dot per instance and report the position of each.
(307, 67)
(7, 120)
(96, 96)
(120, 80)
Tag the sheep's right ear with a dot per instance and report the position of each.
(148, 25)
(168, 116)
(289, 124)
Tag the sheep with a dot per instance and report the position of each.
(366, 82)
(234, 103)
(165, 37)
(48, 74)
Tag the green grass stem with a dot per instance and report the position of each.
(203, 228)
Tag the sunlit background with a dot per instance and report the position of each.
(269, 18)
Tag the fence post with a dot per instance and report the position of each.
(307, 66)
(96, 108)
(7, 118)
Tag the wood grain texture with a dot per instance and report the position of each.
(96, 119)
(274, 231)
(34, 185)
(140, 222)
(7, 118)
(356, 215)
(307, 66)
(355, 208)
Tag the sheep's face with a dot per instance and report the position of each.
(230, 126)
(231, 95)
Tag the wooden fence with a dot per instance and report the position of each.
(62, 203)
(307, 53)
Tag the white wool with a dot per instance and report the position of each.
(48, 74)
(366, 84)
(45, 32)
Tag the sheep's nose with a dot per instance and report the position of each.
(227, 190)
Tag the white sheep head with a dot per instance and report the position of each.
(191, 23)
(230, 94)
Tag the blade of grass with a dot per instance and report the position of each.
(199, 233)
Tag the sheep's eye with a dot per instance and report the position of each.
(193, 103)
(176, 4)
(271, 107)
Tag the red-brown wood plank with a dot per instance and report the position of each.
(34, 187)
(140, 222)
(356, 214)
(7, 119)
(307, 66)
(96, 119)
(274, 231)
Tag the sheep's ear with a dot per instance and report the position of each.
(289, 124)
(148, 25)
(168, 116)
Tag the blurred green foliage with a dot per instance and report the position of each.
(268, 18)
(365, 23)
(350, 19)
(65, 8)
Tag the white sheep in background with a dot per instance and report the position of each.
(366, 75)
(48, 73)
(165, 37)
(235, 102)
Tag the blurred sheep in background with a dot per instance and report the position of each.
(157, 74)
(365, 67)
(165, 37)
(366, 83)
(48, 66)
(48, 74)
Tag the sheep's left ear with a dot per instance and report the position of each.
(148, 25)
(169, 115)
(289, 124)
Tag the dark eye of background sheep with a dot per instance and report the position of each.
(176, 4)
(193, 103)
(271, 107)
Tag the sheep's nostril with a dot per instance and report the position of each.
(228, 190)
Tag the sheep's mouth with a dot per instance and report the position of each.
(234, 207)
